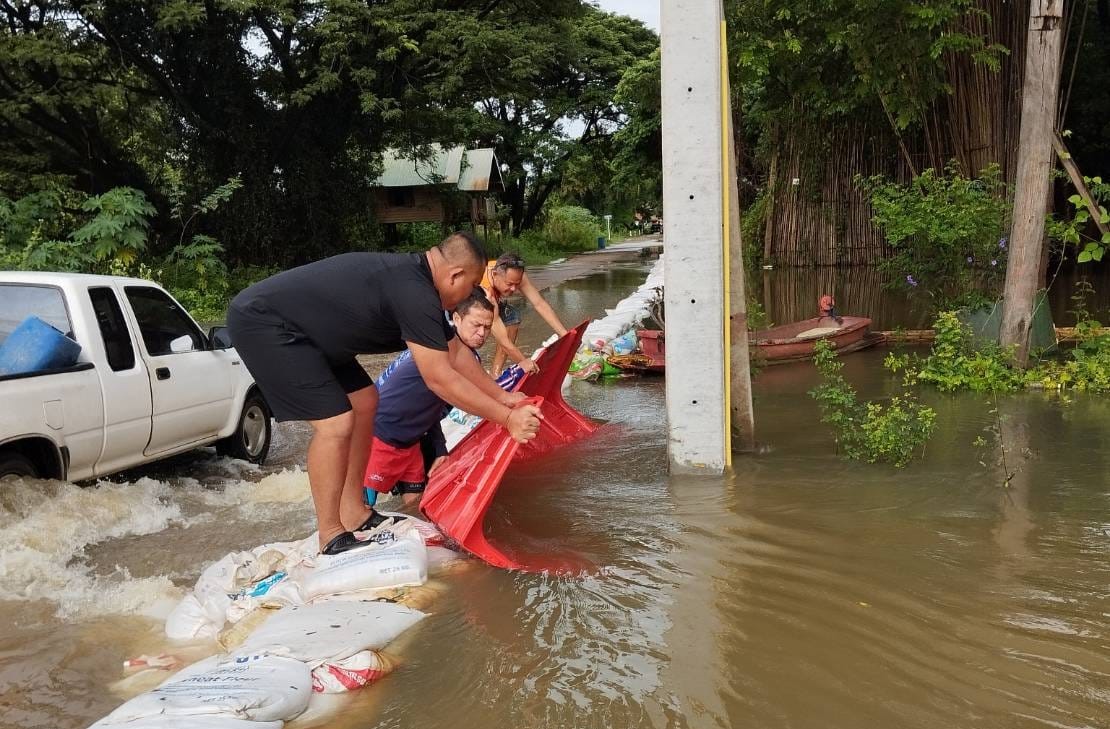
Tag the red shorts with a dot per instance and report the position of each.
(389, 464)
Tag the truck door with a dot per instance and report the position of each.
(191, 385)
(127, 403)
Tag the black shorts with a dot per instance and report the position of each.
(297, 380)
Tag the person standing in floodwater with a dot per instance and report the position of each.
(505, 277)
(299, 333)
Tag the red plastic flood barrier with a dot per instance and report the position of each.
(562, 424)
(460, 492)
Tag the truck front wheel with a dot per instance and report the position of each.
(251, 439)
(13, 464)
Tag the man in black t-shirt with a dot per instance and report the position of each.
(299, 333)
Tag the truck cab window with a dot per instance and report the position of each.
(113, 329)
(165, 327)
(19, 301)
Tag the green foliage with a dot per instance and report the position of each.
(869, 431)
(112, 236)
(955, 363)
(1073, 230)
(298, 101)
(567, 230)
(34, 231)
(947, 232)
(753, 220)
(118, 231)
(1086, 368)
(570, 228)
(417, 237)
(531, 245)
(758, 318)
(839, 58)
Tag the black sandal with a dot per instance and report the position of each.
(343, 542)
(375, 520)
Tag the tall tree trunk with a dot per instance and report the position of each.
(1035, 160)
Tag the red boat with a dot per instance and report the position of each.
(778, 345)
(795, 341)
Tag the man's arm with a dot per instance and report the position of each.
(467, 365)
(542, 307)
(444, 380)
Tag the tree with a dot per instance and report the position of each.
(555, 97)
(623, 172)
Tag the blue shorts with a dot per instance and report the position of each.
(510, 315)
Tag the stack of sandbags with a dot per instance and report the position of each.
(292, 573)
(327, 647)
(293, 624)
(629, 312)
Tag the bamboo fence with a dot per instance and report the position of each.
(816, 215)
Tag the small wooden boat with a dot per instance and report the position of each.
(778, 345)
(795, 341)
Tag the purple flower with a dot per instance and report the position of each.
(911, 280)
(1002, 244)
(970, 259)
(994, 262)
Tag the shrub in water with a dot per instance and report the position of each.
(869, 431)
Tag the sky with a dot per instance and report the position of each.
(645, 10)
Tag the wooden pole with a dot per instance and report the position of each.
(741, 413)
(1035, 159)
(1080, 184)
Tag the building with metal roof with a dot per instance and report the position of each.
(449, 185)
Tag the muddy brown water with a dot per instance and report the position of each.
(798, 591)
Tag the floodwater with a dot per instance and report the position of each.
(798, 591)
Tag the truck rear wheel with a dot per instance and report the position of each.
(13, 464)
(251, 439)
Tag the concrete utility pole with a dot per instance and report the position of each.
(698, 281)
(1035, 161)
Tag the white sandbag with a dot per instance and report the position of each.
(202, 614)
(439, 556)
(258, 688)
(627, 314)
(190, 620)
(351, 673)
(193, 722)
(329, 631)
(396, 559)
(428, 531)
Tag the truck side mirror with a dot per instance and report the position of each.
(220, 338)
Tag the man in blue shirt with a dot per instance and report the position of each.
(409, 413)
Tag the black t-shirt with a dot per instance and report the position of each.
(357, 303)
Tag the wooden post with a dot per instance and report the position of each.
(1077, 180)
(1035, 156)
(741, 413)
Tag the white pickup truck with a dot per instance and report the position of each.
(148, 382)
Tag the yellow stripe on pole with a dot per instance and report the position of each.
(726, 113)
